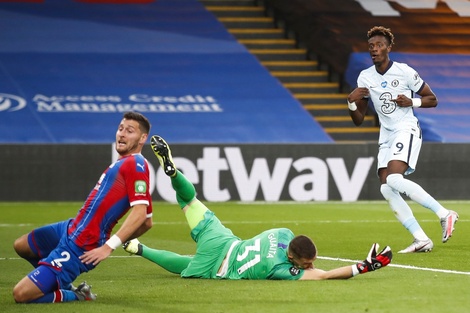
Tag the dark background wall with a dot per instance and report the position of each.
(343, 172)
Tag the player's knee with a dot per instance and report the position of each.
(395, 181)
(19, 295)
(387, 191)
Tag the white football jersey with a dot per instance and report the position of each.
(398, 79)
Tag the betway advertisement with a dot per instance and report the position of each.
(234, 173)
(297, 172)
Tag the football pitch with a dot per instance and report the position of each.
(343, 232)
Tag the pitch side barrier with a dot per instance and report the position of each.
(287, 172)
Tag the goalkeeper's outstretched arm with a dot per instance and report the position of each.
(375, 260)
(344, 272)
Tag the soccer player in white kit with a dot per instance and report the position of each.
(391, 86)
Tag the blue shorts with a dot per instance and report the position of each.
(59, 256)
(44, 239)
(65, 263)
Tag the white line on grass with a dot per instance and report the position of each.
(400, 266)
(333, 202)
(437, 270)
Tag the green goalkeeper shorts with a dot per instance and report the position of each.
(212, 243)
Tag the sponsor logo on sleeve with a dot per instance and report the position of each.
(294, 271)
(140, 186)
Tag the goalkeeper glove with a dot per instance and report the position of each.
(375, 260)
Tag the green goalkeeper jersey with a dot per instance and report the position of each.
(263, 257)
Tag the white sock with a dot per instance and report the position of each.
(416, 193)
(402, 211)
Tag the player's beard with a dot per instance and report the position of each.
(129, 148)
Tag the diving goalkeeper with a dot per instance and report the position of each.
(274, 254)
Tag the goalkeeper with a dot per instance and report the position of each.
(273, 254)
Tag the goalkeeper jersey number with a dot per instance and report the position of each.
(263, 257)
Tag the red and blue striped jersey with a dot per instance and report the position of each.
(123, 184)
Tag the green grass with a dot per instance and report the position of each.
(431, 282)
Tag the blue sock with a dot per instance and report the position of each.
(60, 295)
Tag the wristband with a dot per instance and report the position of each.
(355, 271)
(352, 106)
(114, 242)
(416, 102)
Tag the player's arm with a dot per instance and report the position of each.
(148, 223)
(135, 222)
(428, 99)
(344, 272)
(375, 260)
(357, 104)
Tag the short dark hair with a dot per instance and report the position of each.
(302, 247)
(382, 31)
(144, 123)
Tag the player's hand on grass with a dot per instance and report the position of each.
(375, 260)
